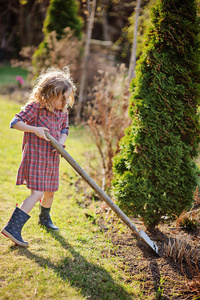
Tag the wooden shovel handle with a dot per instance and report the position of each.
(91, 182)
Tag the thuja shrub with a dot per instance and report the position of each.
(61, 14)
(155, 175)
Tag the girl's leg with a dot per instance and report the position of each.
(30, 201)
(47, 199)
(45, 207)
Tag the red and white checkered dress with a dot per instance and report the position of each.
(39, 168)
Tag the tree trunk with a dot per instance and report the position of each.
(105, 26)
(85, 61)
(132, 64)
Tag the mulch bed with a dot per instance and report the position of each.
(161, 277)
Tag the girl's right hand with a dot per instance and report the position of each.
(40, 132)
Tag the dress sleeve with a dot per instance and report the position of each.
(65, 126)
(27, 115)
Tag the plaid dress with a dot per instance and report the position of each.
(39, 168)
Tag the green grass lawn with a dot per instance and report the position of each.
(70, 264)
(8, 74)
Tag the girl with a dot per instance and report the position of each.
(39, 168)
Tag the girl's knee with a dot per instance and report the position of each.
(49, 194)
(37, 195)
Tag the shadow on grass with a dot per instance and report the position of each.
(92, 280)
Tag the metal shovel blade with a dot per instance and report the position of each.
(148, 241)
(100, 192)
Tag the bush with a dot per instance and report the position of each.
(58, 53)
(154, 173)
(61, 23)
(108, 116)
(62, 14)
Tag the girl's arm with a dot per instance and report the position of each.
(39, 131)
(63, 138)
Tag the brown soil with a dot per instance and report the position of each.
(161, 277)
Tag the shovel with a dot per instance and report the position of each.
(141, 234)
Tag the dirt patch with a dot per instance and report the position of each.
(174, 274)
(161, 277)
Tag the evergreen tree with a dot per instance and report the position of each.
(60, 15)
(155, 174)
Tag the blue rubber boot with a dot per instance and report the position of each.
(14, 227)
(45, 219)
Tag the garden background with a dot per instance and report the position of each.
(94, 256)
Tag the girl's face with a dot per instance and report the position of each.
(62, 99)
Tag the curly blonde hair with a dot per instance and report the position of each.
(49, 84)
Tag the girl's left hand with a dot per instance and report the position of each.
(54, 150)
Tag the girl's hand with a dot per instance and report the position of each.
(62, 140)
(40, 132)
(54, 150)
